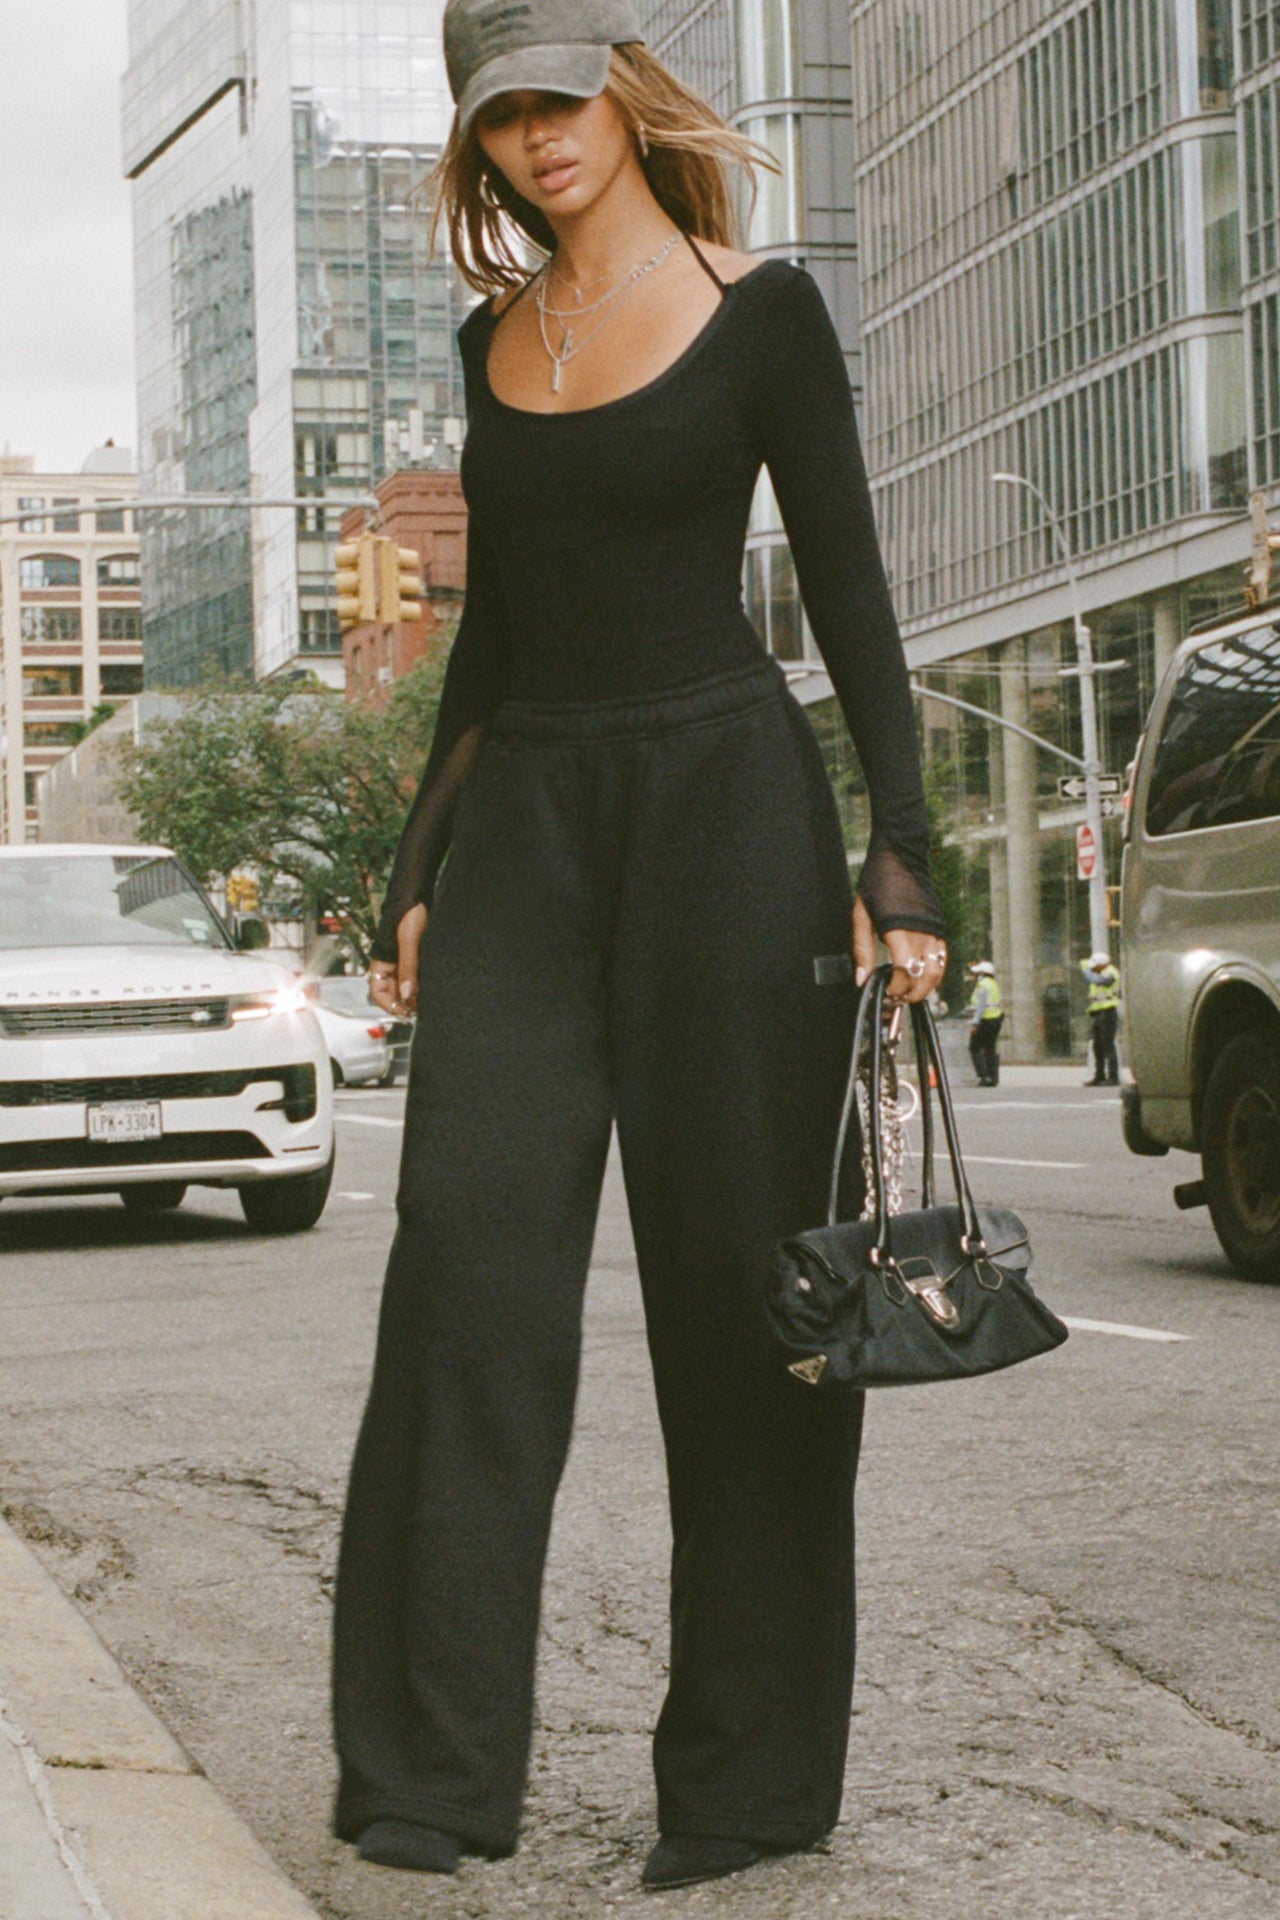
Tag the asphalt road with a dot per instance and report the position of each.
(1068, 1704)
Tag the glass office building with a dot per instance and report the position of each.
(293, 338)
(778, 70)
(1069, 225)
(1259, 96)
(1052, 247)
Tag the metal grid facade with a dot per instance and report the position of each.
(1259, 86)
(1050, 209)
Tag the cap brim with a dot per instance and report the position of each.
(579, 69)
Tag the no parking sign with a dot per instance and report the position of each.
(1086, 851)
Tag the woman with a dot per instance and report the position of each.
(645, 918)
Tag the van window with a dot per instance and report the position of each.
(1218, 757)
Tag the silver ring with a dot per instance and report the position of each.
(915, 967)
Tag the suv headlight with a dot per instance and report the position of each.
(294, 997)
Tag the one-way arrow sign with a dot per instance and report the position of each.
(1071, 786)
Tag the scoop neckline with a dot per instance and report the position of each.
(676, 366)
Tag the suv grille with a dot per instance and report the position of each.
(298, 1103)
(115, 1016)
(51, 1156)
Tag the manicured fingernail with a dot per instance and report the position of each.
(405, 989)
(860, 977)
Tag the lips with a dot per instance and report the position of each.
(546, 168)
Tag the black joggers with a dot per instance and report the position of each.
(984, 1051)
(645, 917)
(1106, 1060)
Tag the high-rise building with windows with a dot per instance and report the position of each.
(1057, 283)
(1258, 89)
(291, 330)
(70, 620)
(778, 70)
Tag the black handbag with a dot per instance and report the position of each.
(940, 1293)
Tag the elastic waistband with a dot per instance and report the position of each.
(695, 704)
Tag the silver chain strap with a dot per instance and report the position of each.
(895, 1112)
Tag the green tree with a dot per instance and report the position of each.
(296, 782)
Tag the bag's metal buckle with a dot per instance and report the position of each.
(926, 1286)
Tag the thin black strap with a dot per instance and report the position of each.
(705, 263)
(511, 303)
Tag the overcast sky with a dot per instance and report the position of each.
(66, 301)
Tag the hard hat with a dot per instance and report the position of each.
(1099, 960)
(981, 966)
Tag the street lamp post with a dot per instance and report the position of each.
(1087, 671)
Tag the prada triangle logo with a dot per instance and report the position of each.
(810, 1371)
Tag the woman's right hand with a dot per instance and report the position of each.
(394, 986)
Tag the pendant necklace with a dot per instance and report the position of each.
(570, 342)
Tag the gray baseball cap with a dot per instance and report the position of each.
(551, 46)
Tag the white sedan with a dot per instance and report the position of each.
(358, 1050)
(140, 1051)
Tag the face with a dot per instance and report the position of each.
(556, 152)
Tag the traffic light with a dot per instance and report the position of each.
(357, 581)
(242, 893)
(399, 584)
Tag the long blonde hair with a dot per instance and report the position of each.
(687, 167)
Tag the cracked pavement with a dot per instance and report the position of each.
(1068, 1705)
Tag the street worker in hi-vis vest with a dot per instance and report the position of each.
(986, 1017)
(1103, 977)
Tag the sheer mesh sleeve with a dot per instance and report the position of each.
(808, 439)
(474, 684)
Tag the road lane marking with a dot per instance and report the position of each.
(367, 1120)
(1124, 1333)
(355, 1195)
(993, 1160)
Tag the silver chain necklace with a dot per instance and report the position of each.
(570, 344)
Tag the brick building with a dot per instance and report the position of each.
(422, 508)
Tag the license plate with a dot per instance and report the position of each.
(126, 1120)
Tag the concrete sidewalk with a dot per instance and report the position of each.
(102, 1814)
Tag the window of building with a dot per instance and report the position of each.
(110, 520)
(319, 631)
(1218, 758)
(120, 570)
(776, 218)
(121, 677)
(51, 733)
(765, 41)
(1264, 339)
(1262, 176)
(1221, 201)
(66, 516)
(29, 783)
(46, 572)
(772, 599)
(35, 524)
(1259, 33)
(1217, 64)
(120, 623)
(51, 683)
(51, 626)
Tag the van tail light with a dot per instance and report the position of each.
(377, 1033)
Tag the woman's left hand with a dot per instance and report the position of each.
(919, 959)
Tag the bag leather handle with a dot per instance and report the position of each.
(928, 1051)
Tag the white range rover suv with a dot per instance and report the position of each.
(141, 1051)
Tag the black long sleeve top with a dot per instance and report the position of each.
(604, 560)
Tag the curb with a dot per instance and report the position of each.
(132, 1829)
